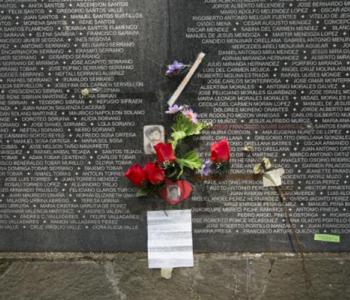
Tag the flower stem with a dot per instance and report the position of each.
(298, 243)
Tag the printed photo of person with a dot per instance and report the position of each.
(173, 192)
(152, 135)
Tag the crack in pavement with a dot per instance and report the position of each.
(4, 268)
(114, 280)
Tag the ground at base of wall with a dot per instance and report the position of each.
(65, 276)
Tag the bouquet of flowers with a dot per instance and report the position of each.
(164, 175)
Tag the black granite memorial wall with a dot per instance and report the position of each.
(276, 77)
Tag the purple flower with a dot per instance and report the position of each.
(175, 68)
(191, 115)
(174, 109)
(206, 168)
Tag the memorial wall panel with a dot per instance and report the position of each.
(79, 80)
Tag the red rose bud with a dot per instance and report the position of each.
(154, 174)
(220, 151)
(175, 192)
(135, 174)
(165, 152)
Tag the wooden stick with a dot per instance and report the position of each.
(186, 80)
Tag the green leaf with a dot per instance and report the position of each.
(191, 160)
(141, 193)
(178, 135)
(180, 173)
(182, 123)
(185, 125)
(183, 128)
(197, 128)
(145, 191)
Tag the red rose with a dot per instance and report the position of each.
(175, 192)
(154, 174)
(135, 174)
(165, 152)
(220, 151)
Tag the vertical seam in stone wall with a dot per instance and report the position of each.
(169, 28)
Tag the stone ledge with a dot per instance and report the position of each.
(56, 276)
(68, 256)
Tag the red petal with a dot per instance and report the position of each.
(154, 174)
(164, 152)
(185, 188)
(135, 174)
(220, 151)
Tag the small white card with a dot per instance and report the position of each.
(273, 178)
(170, 243)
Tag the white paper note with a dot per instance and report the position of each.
(273, 178)
(170, 242)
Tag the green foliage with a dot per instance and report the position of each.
(190, 160)
(177, 136)
(184, 127)
(143, 192)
